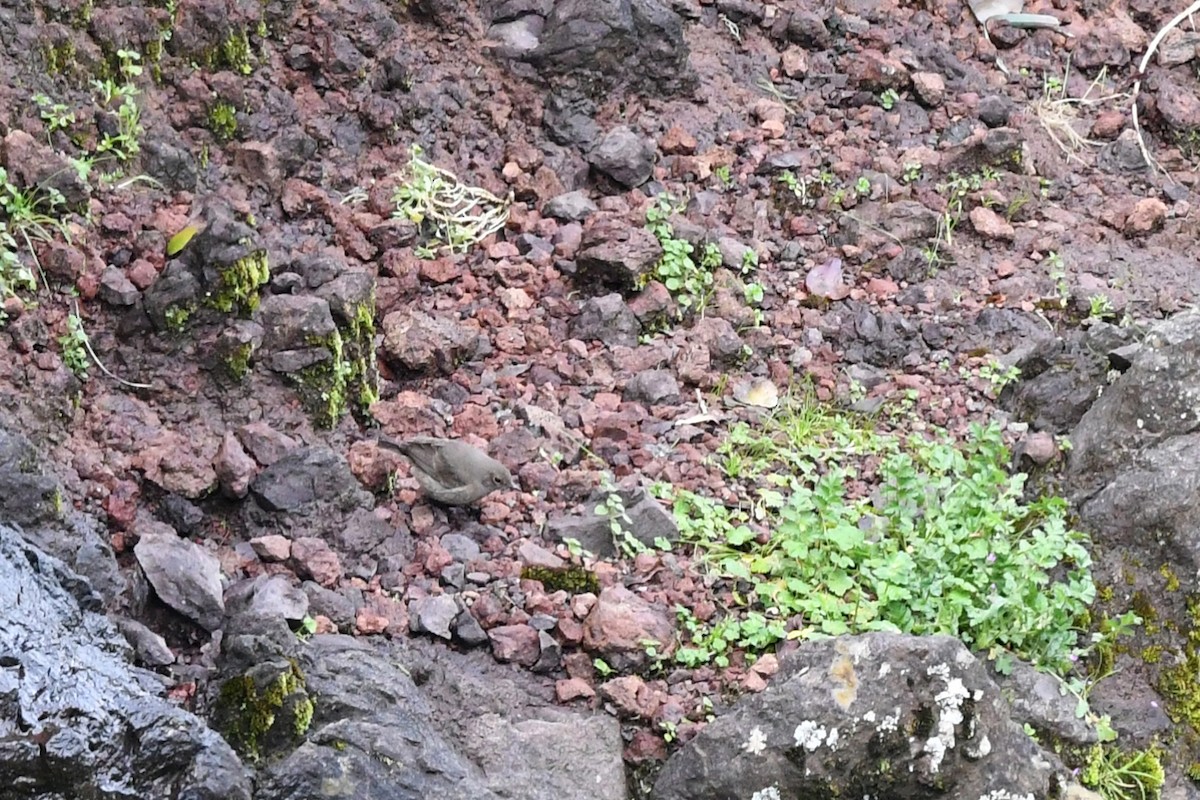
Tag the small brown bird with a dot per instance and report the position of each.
(452, 472)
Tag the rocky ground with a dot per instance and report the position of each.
(899, 210)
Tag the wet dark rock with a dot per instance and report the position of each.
(176, 288)
(882, 339)
(307, 476)
(180, 513)
(624, 156)
(930, 708)
(568, 121)
(649, 522)
(1058, 382)
(417, 342)
(607, 319)
(318, 269)
(173, 166)
(614, 255)
(184, 576)
(610, 43)
(505, 10)
(69, 681)
(724, 345)
(149, 648)
(994, 110)
(802, 27)
(267, 596)
(222, 268)
(1140, 434)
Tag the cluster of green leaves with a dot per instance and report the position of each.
(448, 213)
(75, 345)
(30, 215)
(1123, 775)
(955, 190)
(126, 142)
(944, 545)
(690, 281)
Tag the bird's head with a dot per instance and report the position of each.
(499, 478)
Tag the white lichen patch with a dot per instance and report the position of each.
(890, 723)
(769, 793)
(1004, 794)
(757, 742)
(811, 735)
(949, 715)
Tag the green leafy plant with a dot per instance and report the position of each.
(1099, 306)
(448, 213)
(945, 545)
(863, 185)
(14, 276)
(75, 347)
(689, 282)
(1123, 775)
(912, 172)
(57, 116)
(125, 143)
(998, 376)
(31, 214)
(1058, 274)
(222, 120)
(722, 171)
(612, 508)
(888, 99)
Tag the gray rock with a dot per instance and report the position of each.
(624, 156)
(416, 342)
(306, 476)
(648, 522)
(1037, 699)
(434, 614)
(572, 206)
(613, 255)
(184, 576)
(150, 648)
(461, 548)
(517, 37)
(340, 606)
(292, 324)
(267, 596)
(606, 319)
(652, 387)
(68, 677)
(468, 630)
(116, 289)
(175, 289)
(616, 42)
(821, 728)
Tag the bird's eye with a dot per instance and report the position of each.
(497, 479)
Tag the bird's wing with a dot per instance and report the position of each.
(430, 456)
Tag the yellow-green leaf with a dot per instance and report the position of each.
(180, 240)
